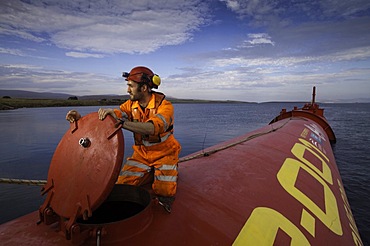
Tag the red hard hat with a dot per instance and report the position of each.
(143, 75)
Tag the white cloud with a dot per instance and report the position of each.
(282, 12)
(19, 67)
(20, 33)
(255, 39)
(83, 55)
(35, 78)
(15, 52)
(361, 53)
(104, 26)
(344, 8)
(269, 84)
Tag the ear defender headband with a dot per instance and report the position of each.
(141, 77)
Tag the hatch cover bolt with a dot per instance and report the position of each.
(84, 142)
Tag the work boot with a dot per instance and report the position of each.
(166, 202)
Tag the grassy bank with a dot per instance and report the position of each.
(14, 103)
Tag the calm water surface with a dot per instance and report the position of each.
(30, 136)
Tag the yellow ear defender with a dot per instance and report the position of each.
(156, 80)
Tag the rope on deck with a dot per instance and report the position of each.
(201, 154)
(23, 181)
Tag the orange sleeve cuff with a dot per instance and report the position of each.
(158, 127)
(118, 113)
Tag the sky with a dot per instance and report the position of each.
(245, 50)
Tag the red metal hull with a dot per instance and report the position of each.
(278, 185)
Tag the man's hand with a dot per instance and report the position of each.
(103, 112)
(73, 116)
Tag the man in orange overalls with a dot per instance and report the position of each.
(150, 117)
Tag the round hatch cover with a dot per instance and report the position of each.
(85, 166)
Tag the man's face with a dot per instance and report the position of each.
(134, 90)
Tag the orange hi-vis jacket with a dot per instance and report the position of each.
(159, 151)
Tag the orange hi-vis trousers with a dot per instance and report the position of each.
(162, 158)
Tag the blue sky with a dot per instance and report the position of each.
(248, 50)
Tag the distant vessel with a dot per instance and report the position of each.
(277, 185)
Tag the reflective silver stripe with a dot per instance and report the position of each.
(129, 173)
(166, 178)
(138, 164)
(167, 167)
(164, 121)
(164, 138)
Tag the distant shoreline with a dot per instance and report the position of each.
(15, 103)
